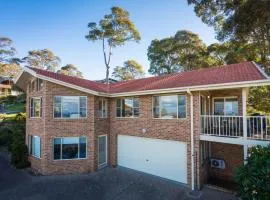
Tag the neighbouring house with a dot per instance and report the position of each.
(6, 87)
(188, 127)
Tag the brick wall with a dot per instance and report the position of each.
(48, 128)
(91, 127)
(233, 156)
(168, 129)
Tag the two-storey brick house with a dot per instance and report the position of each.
(187, 127)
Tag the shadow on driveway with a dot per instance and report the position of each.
(109, 183)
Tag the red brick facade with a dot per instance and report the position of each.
(92, 126)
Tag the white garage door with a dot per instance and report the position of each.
(164, 158)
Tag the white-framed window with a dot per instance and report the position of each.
(103, 108)
(127, 107)
(169, 106)
(35, 107)
(39, 84)
(35, 146)
(67, 148)
(72, 107)
(225, 105)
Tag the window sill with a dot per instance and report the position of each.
(127, 117)
(72, 119)
(35, 157)
(75, 159)
(176, 119)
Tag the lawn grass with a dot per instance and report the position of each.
(17, 107)
(8, 117)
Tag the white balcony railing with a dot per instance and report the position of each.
(251, 127)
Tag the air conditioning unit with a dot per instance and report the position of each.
(217, 163)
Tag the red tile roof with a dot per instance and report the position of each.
(84, 83)
(241, 72)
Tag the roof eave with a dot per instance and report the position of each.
(232, 85)
(33, 73)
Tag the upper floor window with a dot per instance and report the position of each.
(127, 107)
(70, 107)
(103, 108)
(39, 84)
(169, 107)
(225, 106)
(35, 107)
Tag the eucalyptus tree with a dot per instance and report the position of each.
(9, 65)
(70, 70)
(131, 70)
(44, 59)
(114, 30)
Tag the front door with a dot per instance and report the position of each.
(102, 151)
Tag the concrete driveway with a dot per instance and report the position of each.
(112, 184)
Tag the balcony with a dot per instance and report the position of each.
(241, 127)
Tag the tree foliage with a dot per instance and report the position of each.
(9, 65)
(253, 179)
(260, 98)
(233, 52)
(44, 59)
(182, 52)
(244, 25)
(247, 21)
(131, 70)
(114, 30)
(70, 70)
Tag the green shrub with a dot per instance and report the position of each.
(5, 136)
(19, 150)
(20, 117)
(254, 178)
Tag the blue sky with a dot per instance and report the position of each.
(60, 25)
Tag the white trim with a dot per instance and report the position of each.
(19, 76)
(40, 107)
(196, 88)
(121, 107)
(146, 92)
(192, 141)
(260, 70)
(33, 73)
(177, 118)
(31, 149)
(104, 106)
(106, 162)
(230, 140)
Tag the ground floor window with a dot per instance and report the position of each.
(69, 148)
(35, 146)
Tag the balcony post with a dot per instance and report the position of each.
(244, 112)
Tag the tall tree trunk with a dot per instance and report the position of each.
(107, 61)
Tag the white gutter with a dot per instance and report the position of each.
(192, 139)
(33, 73)
(242, 84)
(261, 70)
(220, 86)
